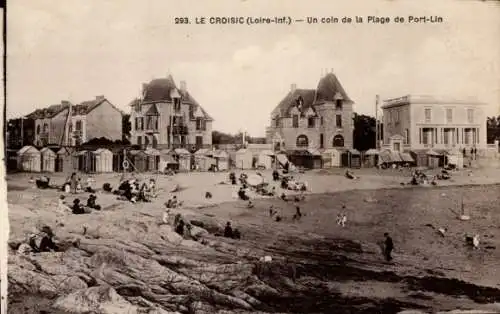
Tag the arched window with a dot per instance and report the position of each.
(302, 141)
(338, 141)
(38, 129)
(155, 142)
(45, 128)
(146, 141)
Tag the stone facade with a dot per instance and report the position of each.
(323, 115)
(169, 117)
(425, 122)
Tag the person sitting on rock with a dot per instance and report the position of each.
(228, 231)
(43, 241)
(283, 197)
(232, 178)
(91, 202)
(79, 209)
(236, 234)
(250, 204)
(208, 195)
(276, 175)
(179, 229)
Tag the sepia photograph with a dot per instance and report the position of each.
(251, 157)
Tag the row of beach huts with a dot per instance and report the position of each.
(102, 160)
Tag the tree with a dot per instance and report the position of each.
(126, 127)
(364, 132)
(493, 129)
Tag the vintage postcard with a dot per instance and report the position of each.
(251, 157)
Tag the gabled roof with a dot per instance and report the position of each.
(291, 99)
(152, 111)
(159, 89)
(82, 108)
(164, 90)
(47, 112)
(329, 89)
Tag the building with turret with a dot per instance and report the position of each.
(317, 119)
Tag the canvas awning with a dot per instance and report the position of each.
(182, 151)
(168, 159)
(353, 151)
(314, 152)
(202, 152)
(152, 152)
(267, 152)
(406, 157)
(81, 153)
(165, 152)
(431, 152)
(372, 152)
(396, 157)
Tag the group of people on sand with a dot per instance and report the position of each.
(78, 208)
(134, 191)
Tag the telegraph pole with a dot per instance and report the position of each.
(377, 98)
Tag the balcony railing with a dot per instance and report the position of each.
(178, 130)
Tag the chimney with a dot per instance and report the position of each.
(99, 98)
(293, 87)
(183, 86)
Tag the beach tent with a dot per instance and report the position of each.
(66, 160)
(370, 158)
(435, 158)
(103, 160)
(29, 159)
(139, 160)
(184, 158)
(351, 158)
(167, 161)
(221, 159)
(456, 158)
(153, 159)
(265, 159)
(118, 159)
(243, 159)
(331, 158)
(86, 161)
(203, 159)
(48, 158)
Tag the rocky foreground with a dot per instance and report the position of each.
(132, 264)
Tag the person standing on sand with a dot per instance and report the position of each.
(388, 247)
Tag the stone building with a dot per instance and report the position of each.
(316, 119)
(169, 117)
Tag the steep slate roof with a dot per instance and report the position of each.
(161, 90)
(153, 111)
(82, 108)
(48, 112)
(290, 100)
(328, 87)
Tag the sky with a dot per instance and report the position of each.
(75, 50)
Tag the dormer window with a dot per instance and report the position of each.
(177, 104)
(295, 121)
(311, 121)
(338, 104)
